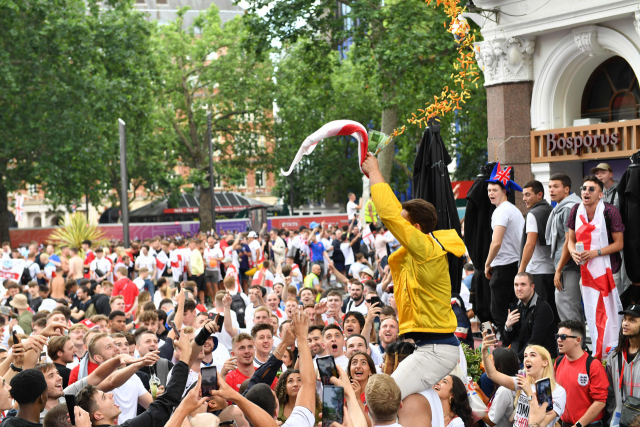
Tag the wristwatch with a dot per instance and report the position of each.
(578, 424)
(15, 368)
(599, 254)
(530, 398)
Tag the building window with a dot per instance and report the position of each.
(33, 189)
(612, 92)
(260, 179)
(243, 183)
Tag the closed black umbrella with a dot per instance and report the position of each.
(477, 238)
(431, 182)
(629, 196)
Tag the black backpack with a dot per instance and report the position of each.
(26, 275)
(238, 305)
(589, 360)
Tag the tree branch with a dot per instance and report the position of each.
(403, 167)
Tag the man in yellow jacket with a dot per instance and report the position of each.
(422, 287)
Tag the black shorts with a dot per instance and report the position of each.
(202, 286)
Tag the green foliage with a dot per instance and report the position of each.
(474, 360)
(74, 230)
(205, 69)
(403, 56)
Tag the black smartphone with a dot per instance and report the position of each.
(375, 300)
(173, 326)
(209, 380)
(543, 393)
(513, 306)
(220, 322)
(179, 287)
(212, 316)
(332, 405)
(327, 369)
(70, 399)
(16, 340)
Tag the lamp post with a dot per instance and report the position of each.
(211, 176)
(124, 197)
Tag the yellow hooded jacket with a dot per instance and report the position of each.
(420, 269)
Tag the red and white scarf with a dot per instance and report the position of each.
(161, 262)
(601, 299)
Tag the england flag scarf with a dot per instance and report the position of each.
(601, 299)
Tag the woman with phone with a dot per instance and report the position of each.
(361, 367)
(501, 398)
(455, 403)
(538, 370)
(287, 390)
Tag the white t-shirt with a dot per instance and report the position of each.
(502, 407)
(219, 356)
(437, 416)
(34, 269)
(508, 216)
(126, 397)
(347, 251)
(522, 409)
(49, 270)
(191, 378)
(355, 269)
(139, 282)
(343, 362)
(362, 308)
(352, 210)
(300, 417)
(209, 255)
(456, 422)
(147, 261)
(255, 249)
(102, 264)
(541, 261)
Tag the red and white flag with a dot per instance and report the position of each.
(334, 128)
(161, 262)
(601, 299)
(368, 236)
(177, 265)
(232, 271)
(19, 207)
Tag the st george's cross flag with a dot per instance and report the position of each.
(601, 299)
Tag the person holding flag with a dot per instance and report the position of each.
(597, 227)
(420, 271)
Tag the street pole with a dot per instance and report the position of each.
(124, 197)
(86, 203)
(211, 176)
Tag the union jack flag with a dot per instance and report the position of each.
(503, 175)
(19, 207)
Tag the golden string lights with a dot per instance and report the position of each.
(465, 65)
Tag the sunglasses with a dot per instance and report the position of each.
(590, 189)
(563, 337)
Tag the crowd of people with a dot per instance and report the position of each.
(129, 331)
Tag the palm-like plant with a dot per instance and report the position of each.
(74, 230)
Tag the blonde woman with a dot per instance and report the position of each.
(143, 298)
(538, 365)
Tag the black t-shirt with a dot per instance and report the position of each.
(337, 254)
(18, 422)
(64, 373)
(35, 303)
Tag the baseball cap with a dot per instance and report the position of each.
(313, 225)
(226, 259)
(252, 234)
(602, 166)
(215, 340)
(6, 311)
(89, 324)
(632, 310)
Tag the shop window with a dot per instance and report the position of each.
(612, 92)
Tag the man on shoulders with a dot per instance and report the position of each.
(567, 273)
(504, 253)
(536, 254)
(583, 377)
(532, 322)
(352, 208)
(76, 266)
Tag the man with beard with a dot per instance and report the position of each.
(330, 312)
(356, 300)
(314, 339)
(215, 354)
(388, 333)
(622, 377)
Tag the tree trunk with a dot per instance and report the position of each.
(4, 214)
(386, 156)
(206, 219)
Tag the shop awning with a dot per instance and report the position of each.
(226, 202)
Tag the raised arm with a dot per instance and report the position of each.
(228, 323)
(307, 394)
(490, 369)
(339, 276)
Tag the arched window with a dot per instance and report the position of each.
(37, 222)
(612, 92)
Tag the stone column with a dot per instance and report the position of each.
(508, 72)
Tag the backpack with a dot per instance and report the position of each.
(238, 305)
(91, 311)
(26, 275)
(589, 360)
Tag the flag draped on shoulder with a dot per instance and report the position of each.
(334, 128)
(161, 263)
(601, 299)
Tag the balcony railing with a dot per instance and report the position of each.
(605, 140)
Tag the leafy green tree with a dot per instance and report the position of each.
(206, 69)
(68, 70)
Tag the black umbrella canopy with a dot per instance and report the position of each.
(431, 182)
(629, 196)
